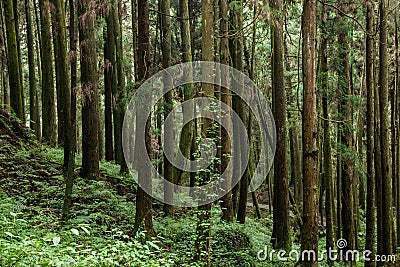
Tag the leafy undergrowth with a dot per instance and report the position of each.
(102, 218)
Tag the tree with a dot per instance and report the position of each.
(327, 149)
(226, 98)
(65, 104)
(309, 233)
(33, 93)
(370, 62)
(90, 105)
(143, 200)
(387, 214)
(110, 78)
(14, 74)
(203, 227)
(344, 132)
(165, 7)
(281, 229)
(48, 102)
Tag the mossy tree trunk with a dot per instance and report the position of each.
(13, 60)
(89, 81)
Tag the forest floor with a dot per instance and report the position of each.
(99, 232)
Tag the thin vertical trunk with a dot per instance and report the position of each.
(49, 132)
(387, 215)
(327, 150)
(369, 83)
(226, 201)
(120, 91)
(309, 234)
(345, 133)
(13, 60)
(110, 79)
(281, 227)
(143, 200)
(65, 93)
(17, 34)
(203, 227)
(33, 108)
(165, 7)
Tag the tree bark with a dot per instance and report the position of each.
(309, 234)
(281, 226)
(387, 214)
(14, 74)
(370, 63)
(90, 105)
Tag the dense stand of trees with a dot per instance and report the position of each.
(336, 78)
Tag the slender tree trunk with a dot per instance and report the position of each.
(5, 82)
(369, 75)
(281, 227)
(110, 79)
(327, 150)
(90, 105)
(18, 36)
(119, 95)
(65, 93)
(165, 7)
(345, 134)
(309, 234)
(49, 132)
(143, 200)
(387, 215)
(13, 60)
(226, 201)
(33, 108)
(203, 227)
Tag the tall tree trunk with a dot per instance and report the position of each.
(65, 93)
(17, 34)
(165, 7)
(203, 227)
(49, 132)
(327, 150)
(143, 200)
(33, 94)
(226, 201)
(13, 60)
(281, 227)
(345, 133)
(309, 234)
(110, 79)
(119, 95)
(71, 121)
(90, 105)
(369, 83)
(5, 82)
(387, 215)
